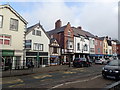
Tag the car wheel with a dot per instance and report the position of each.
(104, 76)
(116, 78)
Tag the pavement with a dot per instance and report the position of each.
(48, 69)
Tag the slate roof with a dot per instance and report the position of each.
(78, 32)
(58, 30)
(101, 38)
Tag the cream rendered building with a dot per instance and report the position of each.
(12, 28)
(37, 46)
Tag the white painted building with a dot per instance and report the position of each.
(37, 46)
(81, 43)
(92, 45)
(12, 28)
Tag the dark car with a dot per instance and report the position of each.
(112, 69)
(80, 62)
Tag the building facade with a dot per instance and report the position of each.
(55, 52)
(12, 27)
(64, 36)
(37, 46)
(98, 47)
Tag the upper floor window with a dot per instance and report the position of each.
(33, 32)
(100, 43)
(1, 21)
(38, 46)
(85, 47)
(5, 39)
(55, 50)
(78, 46)
(36, 32)
(69, 33)
(28, 44)
(14, 24)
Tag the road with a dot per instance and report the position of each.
(86, 77)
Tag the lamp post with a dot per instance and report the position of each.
(38, 59)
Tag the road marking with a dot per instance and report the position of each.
(13, 81)
(46, 79)
(16, 85)
(42, 76)
(76, 81)
(69, 72)
(78, 69)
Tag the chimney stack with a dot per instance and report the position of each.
(58, 24)
(107, 37)
(79, 27)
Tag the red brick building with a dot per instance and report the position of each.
(114, 48)
(118, 50)
(64, 36)
(98, 47)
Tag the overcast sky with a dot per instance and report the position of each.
(99, 18)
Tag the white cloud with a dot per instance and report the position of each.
(98, 18)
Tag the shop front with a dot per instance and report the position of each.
(38, 59)
(54, 60)
(7, 59)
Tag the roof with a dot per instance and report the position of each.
(58, 30)
(78, 32)
(101, 38)
(15, 12)
(31, 28)
(52, 40)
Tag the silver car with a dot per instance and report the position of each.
(100, 61)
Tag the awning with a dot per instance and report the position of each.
(53, 56)
(96, 55)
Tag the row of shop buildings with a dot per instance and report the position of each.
(20, 45)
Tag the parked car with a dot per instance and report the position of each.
(112, 69)
(80, 62)
(100, 61)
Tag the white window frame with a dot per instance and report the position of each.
(15, 24)
(1, 21)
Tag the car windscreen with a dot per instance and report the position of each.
(76, 59)
(114, 63)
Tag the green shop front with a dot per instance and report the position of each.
(39, 59)
(7, 59)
